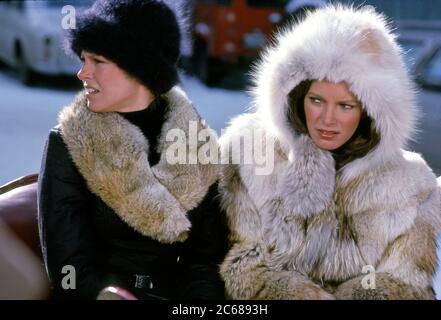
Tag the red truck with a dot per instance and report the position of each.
(227, 32)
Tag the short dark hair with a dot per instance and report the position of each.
(364, 139)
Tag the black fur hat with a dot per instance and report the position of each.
(141, 36)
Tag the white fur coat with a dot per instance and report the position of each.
(305, 231)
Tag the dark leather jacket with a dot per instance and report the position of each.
(78, 229)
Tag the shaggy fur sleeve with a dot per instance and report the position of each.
(408, 264)
(240, 269)
(245, 270)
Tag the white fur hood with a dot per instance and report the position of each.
(355, 46)
(305, 230)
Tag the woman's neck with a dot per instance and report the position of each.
(138, 101)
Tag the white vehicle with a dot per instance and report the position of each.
(31, 36)
(422, 48)
(295, 8)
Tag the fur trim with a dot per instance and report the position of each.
(439, 187)
(112, 155)
(340, 44)
(304, 217)
(388, 288)
(305, 224)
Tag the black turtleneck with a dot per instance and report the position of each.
(149, 121)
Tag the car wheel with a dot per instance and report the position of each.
(25, 74)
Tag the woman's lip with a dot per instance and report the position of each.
(327, 134)
(327, 131)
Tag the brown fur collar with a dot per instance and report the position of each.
(111, 154)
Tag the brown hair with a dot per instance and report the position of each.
(362, 141)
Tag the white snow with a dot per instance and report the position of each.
(27, 115)
(216, 106)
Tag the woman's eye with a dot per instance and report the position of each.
(314, 100)
(347, 106)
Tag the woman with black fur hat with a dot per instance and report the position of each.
(113, 209)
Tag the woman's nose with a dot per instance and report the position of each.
(84, 73)
(328, 115)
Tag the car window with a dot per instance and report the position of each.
(412, 50)
(13, 4)
(433, 70)
(221, 2)
(266, 3)
(62, 3)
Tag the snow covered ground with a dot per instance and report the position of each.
(27, 115)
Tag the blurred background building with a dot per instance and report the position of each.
(404, 9)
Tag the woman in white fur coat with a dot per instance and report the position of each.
(345, 212)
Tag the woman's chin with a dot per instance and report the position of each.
(90, 105)
(94, 107)
(327, 145)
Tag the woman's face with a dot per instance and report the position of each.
(332, 114)
(109, 88)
